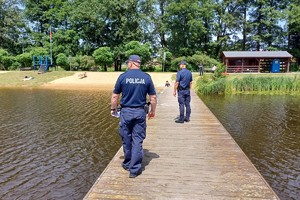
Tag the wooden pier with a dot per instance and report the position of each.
(195, 160)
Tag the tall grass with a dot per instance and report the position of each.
(250, 84)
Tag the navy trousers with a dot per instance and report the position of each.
(184, 99)
(133, 133)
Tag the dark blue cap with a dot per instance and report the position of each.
(182, 62)
(134, 58)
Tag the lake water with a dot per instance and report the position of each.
(55, 144)
(267, 128)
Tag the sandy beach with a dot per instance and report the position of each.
(101, 81)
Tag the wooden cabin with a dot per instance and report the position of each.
(256, 61)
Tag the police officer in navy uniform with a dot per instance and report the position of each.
(134, 85)
(182, 86)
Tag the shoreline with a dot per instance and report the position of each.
(93, 81)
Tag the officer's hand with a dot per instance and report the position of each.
(151, 115)
(113, 112)
(174, 93)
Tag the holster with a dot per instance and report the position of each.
(147, 107)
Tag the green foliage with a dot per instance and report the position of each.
(65, 41)
(86, 63)
(62, 60)
(194, 61)
(294, 67)
(4, 59)
(15, 66)
(203, 59)
(7, 61)
(143, 50)
(103, 57)
(11, 26)
(39, 51)
(25, 59)
(181, 28)
(209, 86)
(74, 63)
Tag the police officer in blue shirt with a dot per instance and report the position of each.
(183, 85)
(134, 85)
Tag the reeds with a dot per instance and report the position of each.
(250, 84)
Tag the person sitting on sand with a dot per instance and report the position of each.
(83, 75)
(167, 84)
(27, 78)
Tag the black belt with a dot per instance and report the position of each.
(133, 107)
(182, 88)
(179, 89)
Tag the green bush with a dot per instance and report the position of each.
(4, 59)
(25, 59)
(16, 65)
(62, 60)
(86, 63)
(294, 67)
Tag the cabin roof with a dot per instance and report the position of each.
(257, 54)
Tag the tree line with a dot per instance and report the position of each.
(77, 29)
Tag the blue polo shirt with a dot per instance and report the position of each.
(184, 77)
(134, 86)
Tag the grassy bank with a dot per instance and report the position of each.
(16, 78)
(250, 84)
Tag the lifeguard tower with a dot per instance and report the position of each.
(41, 63)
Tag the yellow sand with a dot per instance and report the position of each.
(101, 81)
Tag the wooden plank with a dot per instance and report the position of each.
(195, 160)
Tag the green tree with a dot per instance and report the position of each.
(103, 57)
(66, 42)
(293, 13)
(39, 51)
(43, 15)
(265, 19)
(62, 60)
(143, 50)
(189, 26)
(86, 63)
(10, 25)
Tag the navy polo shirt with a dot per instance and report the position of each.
(184, 77)
(134, 86)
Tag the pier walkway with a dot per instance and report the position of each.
(195, 160)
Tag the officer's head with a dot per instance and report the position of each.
(134, 61)
(182, 64)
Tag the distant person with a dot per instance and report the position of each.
(134, 85)
(27, 78)
(167, 84)
(182, 86)
(83, 75)
(213, 69)
(201, 69)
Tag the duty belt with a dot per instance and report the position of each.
(181, 88)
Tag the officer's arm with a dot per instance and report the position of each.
(153, 101)
(191, 85)
(114, 101)
(175, 88)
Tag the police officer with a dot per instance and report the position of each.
(183, 85)
(134, 85)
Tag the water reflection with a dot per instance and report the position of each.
(267, 128)
(54, 144)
